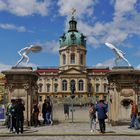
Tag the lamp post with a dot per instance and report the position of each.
(72, 96)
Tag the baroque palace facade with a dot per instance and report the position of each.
(56, 82)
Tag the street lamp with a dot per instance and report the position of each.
(72, 96)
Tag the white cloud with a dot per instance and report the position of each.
(84, 7)
(108, 63)
(13, 27)
(25, 7)
(124, 6)
(4, 67)
(50, 46)
(137, 67)
(116, 31)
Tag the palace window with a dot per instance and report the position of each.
(97, 87)
(81, 59)
(72, 84)
(105, 87)
(64, 85)
(40, 98)
(72, 58)
(97, 79)
(80, 85)
(40, 87)
(55, 87)
(55, 79)
(89, 88)
(48, 87)
(64, 59)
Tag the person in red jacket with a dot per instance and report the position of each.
(134, 116)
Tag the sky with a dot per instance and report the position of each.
(26, 22)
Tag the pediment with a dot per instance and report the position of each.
(72, 71)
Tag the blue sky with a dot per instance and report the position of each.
(26, 22)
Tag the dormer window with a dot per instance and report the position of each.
(64, 59)
(81, 59)
(73, 38)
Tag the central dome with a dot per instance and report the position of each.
(72, 37)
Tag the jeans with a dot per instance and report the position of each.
(92, 123)
(48, 118)
(134, 120)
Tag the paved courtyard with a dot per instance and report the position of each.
(72, 129)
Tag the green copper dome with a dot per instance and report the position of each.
(72, 37)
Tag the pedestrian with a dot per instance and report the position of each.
(66, 111)
(44, 111)
(101, 109)
(134, 116)
(8, 115)
(35, 114)
(12, 114)
(48, 113)
(92, 117)
(19, 115)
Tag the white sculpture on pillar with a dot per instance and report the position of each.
(24, 51)
(119, 53)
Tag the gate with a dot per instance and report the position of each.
(77, 109)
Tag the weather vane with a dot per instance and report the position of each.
(73, 11)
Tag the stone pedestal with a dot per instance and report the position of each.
(123, 87)
(22, 83)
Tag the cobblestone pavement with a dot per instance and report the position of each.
(72, 138)
(72, 129)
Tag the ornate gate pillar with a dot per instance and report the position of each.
(22, 83)
(123, 83)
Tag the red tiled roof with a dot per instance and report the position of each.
(98, 70)
(47, 70)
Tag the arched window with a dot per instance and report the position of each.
(72, 85)
(55, 87)
(97, 87)
(89, 88)
(72, 59)
(64, 85)
(64, 59)
(80, 85)
(48, 87)
(40, 87)
(81, 59)
(105, 87)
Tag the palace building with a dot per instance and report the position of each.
(56, 82)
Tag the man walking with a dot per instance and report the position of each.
(101, 108)
(19, 115)
(134, 115)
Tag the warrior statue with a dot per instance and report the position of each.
(24, 51)
(119, 53)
